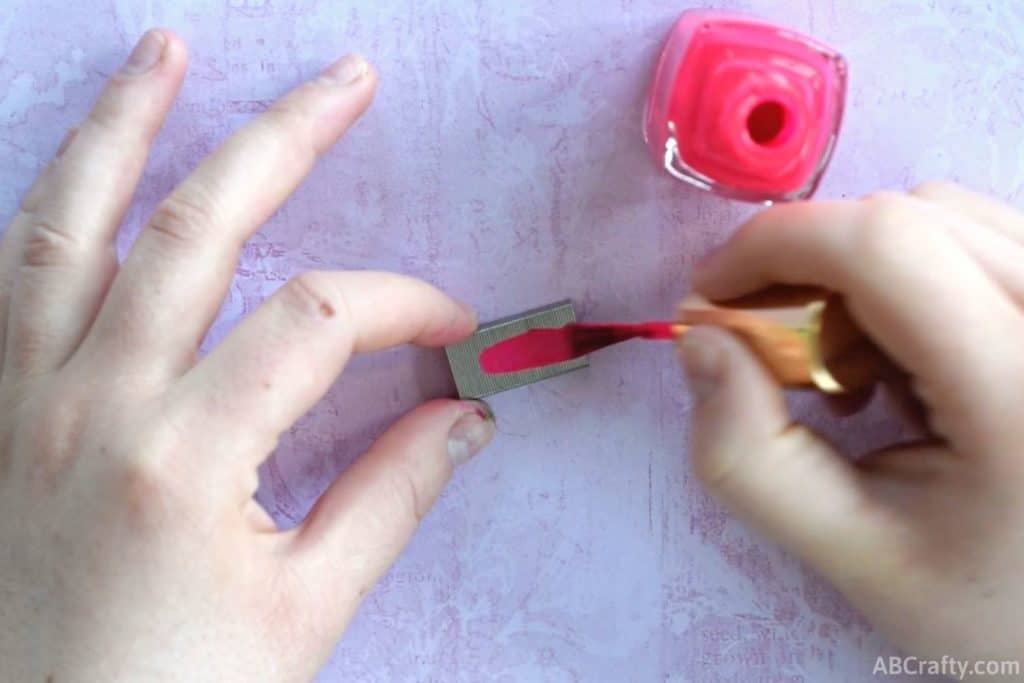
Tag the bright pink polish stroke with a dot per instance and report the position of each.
(548, 346)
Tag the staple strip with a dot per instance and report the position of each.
(464, 357)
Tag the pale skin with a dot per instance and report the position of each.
(130, 545)
(925, 538)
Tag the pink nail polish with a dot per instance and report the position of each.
(743, 108)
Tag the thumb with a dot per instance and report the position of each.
(779, 477)
(367, 516)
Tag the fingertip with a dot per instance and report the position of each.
(725, 272)
(482, 408)
(737, 405)
(158, 51)
(337, 98)
(350, 70)
(353, 77)
(702, 271)
(709, 263)
(371, 82)
(770, 248)
(702, 353)
(466, 321)
(372, 75)
(176, 50)
(169, 36)
(709, 280)
(471, 432)
(456, 323)
(716, 358)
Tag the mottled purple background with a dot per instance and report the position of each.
(502, 161)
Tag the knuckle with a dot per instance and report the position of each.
(289, 125)
(39, 191)
(47, 244)
(27, 354)
(311, 295)
(142, 479)
(184, 217)
(53, 437)
(144, 489)
(107, 118)
(145, 476)
(407, 500)
(286, 115)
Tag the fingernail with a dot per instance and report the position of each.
(345, 71)
(704, 362)
(471, 432)
(146, 54)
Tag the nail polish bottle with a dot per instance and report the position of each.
(743, 108)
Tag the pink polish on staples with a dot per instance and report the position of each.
(744, 108)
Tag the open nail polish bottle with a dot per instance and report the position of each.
(744, 108)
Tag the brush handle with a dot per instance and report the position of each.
(804, 336)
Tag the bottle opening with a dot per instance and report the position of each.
(766, 122)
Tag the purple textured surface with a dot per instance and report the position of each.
(502, 161)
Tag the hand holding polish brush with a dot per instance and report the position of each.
(803, 335)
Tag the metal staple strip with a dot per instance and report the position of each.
(464, 357)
